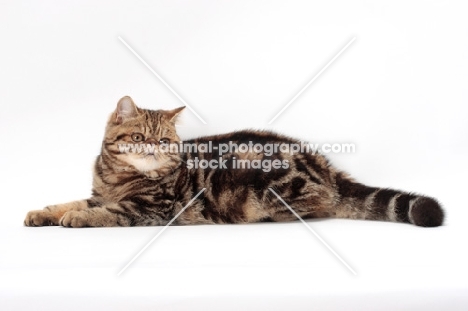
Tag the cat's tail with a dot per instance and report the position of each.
(358, 201)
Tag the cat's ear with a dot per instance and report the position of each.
(174, 113)
(126, 109)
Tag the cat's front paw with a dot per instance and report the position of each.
(40, 218)
(75, 219)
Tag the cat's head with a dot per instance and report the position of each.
(140, 139)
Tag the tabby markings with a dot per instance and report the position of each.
(160, 232)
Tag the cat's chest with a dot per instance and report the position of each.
(121, 187)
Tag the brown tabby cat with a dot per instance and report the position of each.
(149, 187)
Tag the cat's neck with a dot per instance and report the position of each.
(113, 171)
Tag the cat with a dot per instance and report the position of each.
(149, 187)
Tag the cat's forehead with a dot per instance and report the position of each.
(153, 117)
(154, 121)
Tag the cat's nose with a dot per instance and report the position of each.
(151, 141)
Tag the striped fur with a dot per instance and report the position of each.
(139, 189)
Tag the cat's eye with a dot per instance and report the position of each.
(138, 137)
(164, 141)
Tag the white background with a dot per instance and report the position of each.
(398, 93)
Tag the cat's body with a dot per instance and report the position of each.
(149, 187)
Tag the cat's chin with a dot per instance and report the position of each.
(146, 163)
